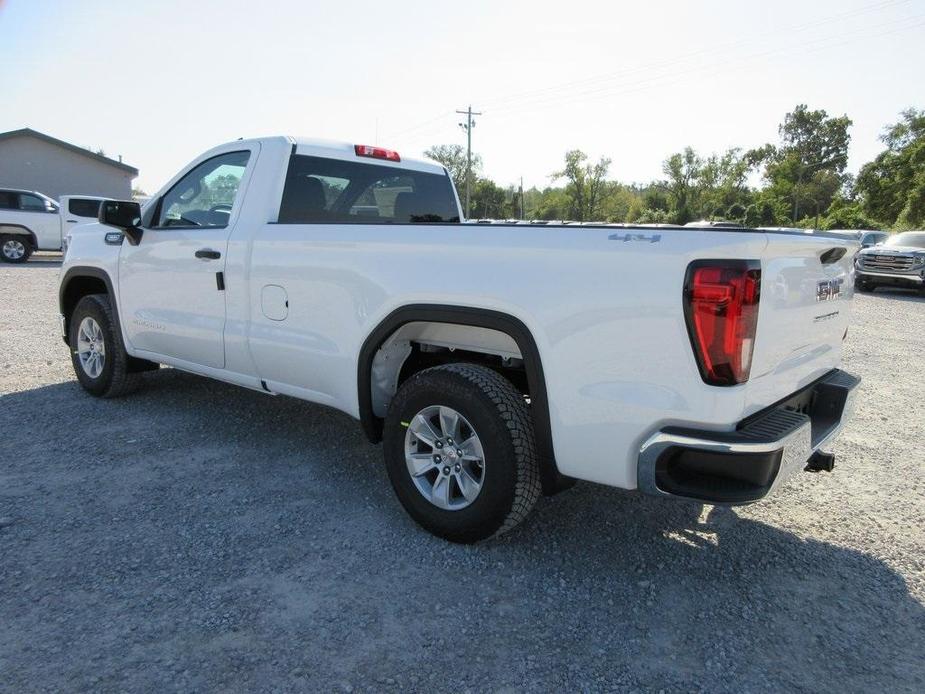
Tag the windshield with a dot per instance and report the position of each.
(907, 238)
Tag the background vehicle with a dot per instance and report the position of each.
(898, 262)
(710, 224)
(872, 238)
(30, 221)
(495, 361)
(76, 210)
(866, 237)
(795, 230)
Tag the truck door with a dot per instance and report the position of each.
(171, 288)
(40, 216)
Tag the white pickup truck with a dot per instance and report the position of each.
(31, 221)
(495, 362)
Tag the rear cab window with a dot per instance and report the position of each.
(83, 207)
(8, 200)
(321, 190)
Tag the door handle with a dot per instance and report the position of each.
(72, 221)
(208, 254)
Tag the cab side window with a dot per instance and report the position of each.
(204, 197)
(32, 203)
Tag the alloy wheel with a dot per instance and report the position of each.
(91, 347)
(444, 457)
(14, 249)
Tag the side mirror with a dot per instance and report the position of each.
(124, 215)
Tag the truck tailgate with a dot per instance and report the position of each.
(806, 287)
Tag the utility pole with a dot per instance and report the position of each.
(467, 126)
(522, 198)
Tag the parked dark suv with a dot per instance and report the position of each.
(898, 262)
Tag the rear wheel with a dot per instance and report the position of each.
(15, 248)
(98, 355)
(460, 453)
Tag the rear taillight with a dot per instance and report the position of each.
(721, 309)
(376, 152)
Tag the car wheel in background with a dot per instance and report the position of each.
(460, 453)
(15, 248)
(98, 354)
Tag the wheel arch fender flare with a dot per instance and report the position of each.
(82, 272)
(476, 317)
(19, 229)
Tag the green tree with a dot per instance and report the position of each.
(550, 203)
(586, 185)
(490, 200)
(892, 187)
(618, 204)
(723, 185)
(766, 211)
(683, 170)
(453, 157)
(807, 169)
(713, 187)
(845, 213)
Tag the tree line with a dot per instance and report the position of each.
(803, 182)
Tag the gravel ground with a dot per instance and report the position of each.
(198, 536)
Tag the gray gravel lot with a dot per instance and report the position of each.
(198, 536)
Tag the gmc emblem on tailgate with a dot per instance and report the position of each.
(829, 289)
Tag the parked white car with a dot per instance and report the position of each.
(494, 361)
(31, 221)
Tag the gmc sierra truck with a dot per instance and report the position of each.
(898, 262)
(495, 362)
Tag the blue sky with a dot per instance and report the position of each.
(159, 82)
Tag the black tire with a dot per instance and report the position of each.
(15, 248)
(116, 378)
(499, 415)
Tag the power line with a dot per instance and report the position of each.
(718, 48)
(421, 125)
(545, 96)
(666, 79)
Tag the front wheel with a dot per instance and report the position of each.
(460, 453)
(15, 248)
(98, 354)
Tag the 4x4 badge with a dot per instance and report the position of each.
(651, 238)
